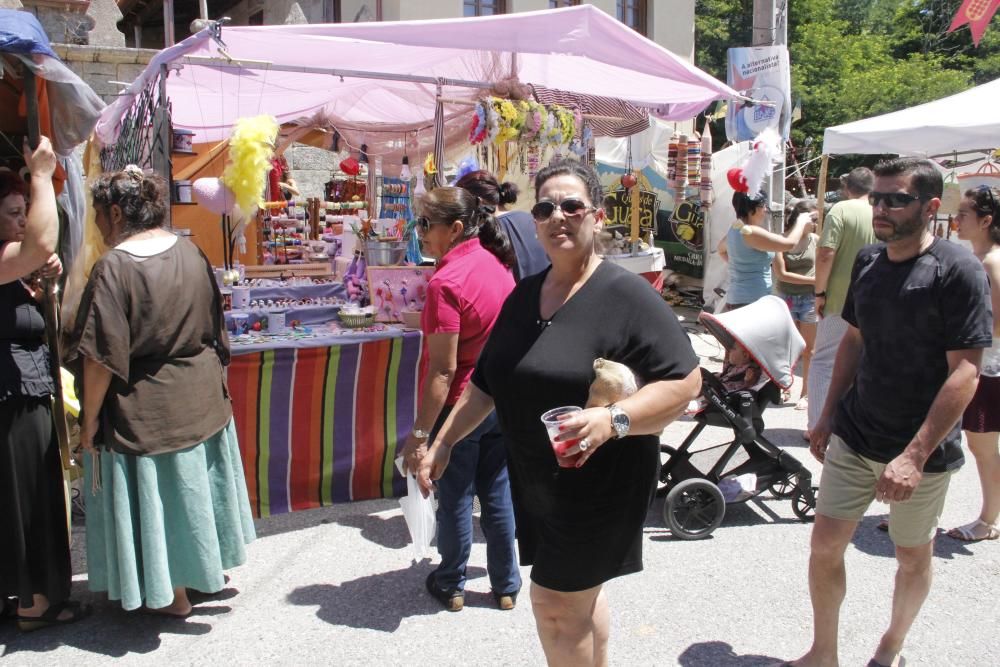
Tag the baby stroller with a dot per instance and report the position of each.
(695, 504)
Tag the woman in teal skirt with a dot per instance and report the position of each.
(167, 506)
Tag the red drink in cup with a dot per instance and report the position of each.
(552, 420)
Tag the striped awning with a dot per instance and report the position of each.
(618, 118)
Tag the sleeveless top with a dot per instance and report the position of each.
(24, 356)
(803, 263)
(749, 270)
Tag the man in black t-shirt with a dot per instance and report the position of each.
(918, 314)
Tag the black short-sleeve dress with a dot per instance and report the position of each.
(579, 527)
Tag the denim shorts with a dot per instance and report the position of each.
(802, 307)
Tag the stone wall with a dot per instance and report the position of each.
(312, 167)
(99, 66)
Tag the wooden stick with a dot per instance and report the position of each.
(821, 193)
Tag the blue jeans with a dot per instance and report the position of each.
(478, 467)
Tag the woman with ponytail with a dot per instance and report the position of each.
(167, 506)
(464, 298)
(518, 226)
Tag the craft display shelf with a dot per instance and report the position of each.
(277, 271)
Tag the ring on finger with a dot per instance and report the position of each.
(584, 445)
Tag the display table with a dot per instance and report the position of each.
(320, 418)
(649, 265)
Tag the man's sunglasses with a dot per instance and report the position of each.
(571, 207)
(892, 199)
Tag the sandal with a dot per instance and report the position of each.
(51, 616)
(968, 532)
(803, 403)
(883, 525)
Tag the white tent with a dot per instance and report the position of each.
(965, 122)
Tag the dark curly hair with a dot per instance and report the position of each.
(12, 184)
(140, 196)
(455, 203)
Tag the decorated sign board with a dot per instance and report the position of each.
(679, 233)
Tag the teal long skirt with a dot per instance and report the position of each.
(168, 520)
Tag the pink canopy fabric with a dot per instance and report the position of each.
(576, 49)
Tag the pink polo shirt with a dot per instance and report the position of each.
(464, 296)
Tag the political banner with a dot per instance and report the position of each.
(763, 74)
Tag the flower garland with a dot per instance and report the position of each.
(478, 129)
(498, 120)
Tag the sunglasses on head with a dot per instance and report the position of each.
(892, 199)
(993, 202)
(571, 207)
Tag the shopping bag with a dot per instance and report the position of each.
(418, 513)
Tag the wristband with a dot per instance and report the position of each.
(822, 294)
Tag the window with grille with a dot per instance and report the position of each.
(484, 7)
(633, 14)
(554, 4)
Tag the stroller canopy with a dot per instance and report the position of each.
(766, 330)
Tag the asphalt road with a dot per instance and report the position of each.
(339, 586)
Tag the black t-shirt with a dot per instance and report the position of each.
(520, 229)
(579, 526)
(910, 315)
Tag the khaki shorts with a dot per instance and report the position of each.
(847, 488)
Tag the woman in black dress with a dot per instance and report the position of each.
(34, 544)
(581, 525)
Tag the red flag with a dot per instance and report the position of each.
(977, 13)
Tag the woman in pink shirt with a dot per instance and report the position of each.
(464, 297)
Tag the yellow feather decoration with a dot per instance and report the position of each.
(251, 148)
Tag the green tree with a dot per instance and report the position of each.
(856, 58)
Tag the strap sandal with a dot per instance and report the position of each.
(976, 531)
(51, 616)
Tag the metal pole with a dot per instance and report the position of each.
(137, 35)
(50, 303)
(160, 158)
(767, 24)
(168, 23)
(203, 8)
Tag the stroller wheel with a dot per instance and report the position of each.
(804, 504)
(693, 509)
(783, 488)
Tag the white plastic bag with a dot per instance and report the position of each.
(418, 513)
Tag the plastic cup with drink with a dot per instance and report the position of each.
(552, 420)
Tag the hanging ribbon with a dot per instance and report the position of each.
(977, 13)
(439, 139)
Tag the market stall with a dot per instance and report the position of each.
(957, 131)
(320, 417)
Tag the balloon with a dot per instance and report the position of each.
(214, 195)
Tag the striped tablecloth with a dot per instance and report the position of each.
(321, 425)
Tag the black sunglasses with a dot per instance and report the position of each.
(571, 207)
(892, 199)
(424, 223)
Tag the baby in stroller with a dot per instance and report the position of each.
(762, 347)
(740, 370)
